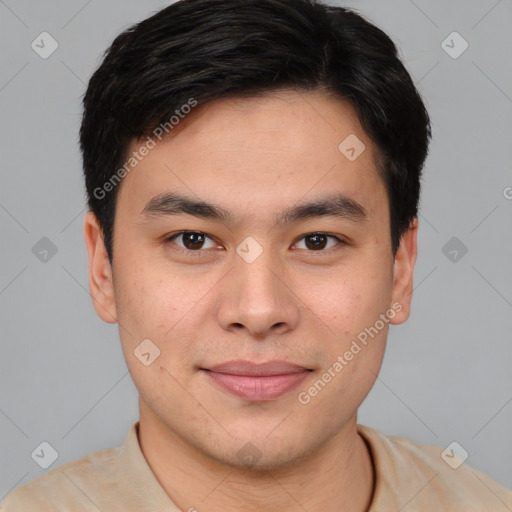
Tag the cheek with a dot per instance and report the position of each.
(143, 311)
(154, 304)
(351, 297)
(146, 296)
(351, 303)
(148, 316)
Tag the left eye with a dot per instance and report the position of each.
(318, 241)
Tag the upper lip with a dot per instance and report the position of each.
(249, 368)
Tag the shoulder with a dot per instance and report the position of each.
(424, 476)
(70, 486)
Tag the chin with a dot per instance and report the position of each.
(258, 453)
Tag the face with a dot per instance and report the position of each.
(254, 276)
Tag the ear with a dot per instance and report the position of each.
(100, 271)
(403, 270)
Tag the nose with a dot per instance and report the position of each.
(258, 299)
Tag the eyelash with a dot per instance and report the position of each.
(203, 252)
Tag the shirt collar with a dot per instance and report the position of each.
(137, 474)
(144, 489)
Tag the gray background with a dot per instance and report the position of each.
(446, 374)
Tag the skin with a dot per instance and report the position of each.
(254, 157)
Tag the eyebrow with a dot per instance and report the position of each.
(336, 205)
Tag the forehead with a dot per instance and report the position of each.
(271, 150)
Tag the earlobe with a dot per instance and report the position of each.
(403, 271)
(100, 270)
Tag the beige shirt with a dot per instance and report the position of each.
(409, 478)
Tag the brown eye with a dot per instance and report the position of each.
(319, 241)
(190, 240)
(316, 241)
(193, 240)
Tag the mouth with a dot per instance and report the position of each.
(257, 382)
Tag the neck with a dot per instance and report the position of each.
(337, 477)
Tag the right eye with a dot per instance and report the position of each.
(191, 241)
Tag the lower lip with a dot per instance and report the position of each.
(258, 389)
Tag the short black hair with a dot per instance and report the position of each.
(202, 50)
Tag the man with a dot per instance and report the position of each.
(253, 176)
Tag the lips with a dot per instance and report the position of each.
(257, 382)
(257, 370)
